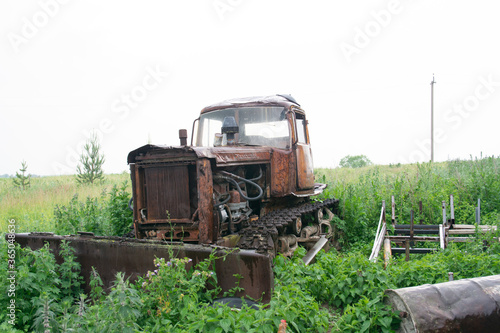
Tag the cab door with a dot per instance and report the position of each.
(303, 154)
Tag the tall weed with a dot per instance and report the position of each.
(361, 192)
(109, 215)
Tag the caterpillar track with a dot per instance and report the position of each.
(281, 230)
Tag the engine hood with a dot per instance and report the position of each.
(229, 155)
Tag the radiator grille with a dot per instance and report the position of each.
(167, 189)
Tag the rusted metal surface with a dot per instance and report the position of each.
(282, 180)
(228, 155)
(207, 193)
(305, 169)
(468, 305)
(274, 100)
(183, 137)
(167, 193)
(205, 202)
(275, 224)
(135, 257)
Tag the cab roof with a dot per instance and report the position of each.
(286, 101)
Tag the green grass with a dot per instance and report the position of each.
(33, 208)
(362, 190)
(341, 292)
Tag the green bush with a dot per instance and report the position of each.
(42, 285)
(109, 215)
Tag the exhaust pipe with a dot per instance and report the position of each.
(183, 134)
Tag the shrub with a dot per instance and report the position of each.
(108, 215)
(357, 161)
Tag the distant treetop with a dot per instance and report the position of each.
(357, 161)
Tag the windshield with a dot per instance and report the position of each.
(259, 126)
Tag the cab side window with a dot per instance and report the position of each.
(301, 128)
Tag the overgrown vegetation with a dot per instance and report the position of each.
(108, 215)
(341, 292)
(361, 192)
(33, 208)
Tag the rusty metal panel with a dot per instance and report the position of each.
(235, 155)
(110, 255)
(305, 168)
(251, 101)
(467, 305)
(228, 155)
(167, 191)
(282, 175)
(205, 202)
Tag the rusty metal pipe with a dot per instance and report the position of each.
(183, 137)
(467, 305)
(314, 251)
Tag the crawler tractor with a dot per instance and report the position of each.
(245, 181)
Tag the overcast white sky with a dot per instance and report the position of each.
(140, 70)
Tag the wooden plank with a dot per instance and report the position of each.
(467, 231)
(441, 236)
(444, 211)
(378, 243)
(416, 232)
(461, 239)
(417, 227)
(471, 226)
(387, 252)
(452, 210)
(401, 250)
(415, 238)
(378, 234)
(411, 225)
(393, 211)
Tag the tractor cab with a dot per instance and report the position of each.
(276, 122)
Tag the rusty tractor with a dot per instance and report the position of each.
(242, 187)
(246, 180)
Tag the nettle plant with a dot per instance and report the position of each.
(175, 288)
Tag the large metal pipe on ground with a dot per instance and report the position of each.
(467, 305)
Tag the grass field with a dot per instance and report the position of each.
(360, 190)
(33, 208)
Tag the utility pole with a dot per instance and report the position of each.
(432, 118)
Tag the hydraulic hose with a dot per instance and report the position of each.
(231, 178)
(223, 202)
